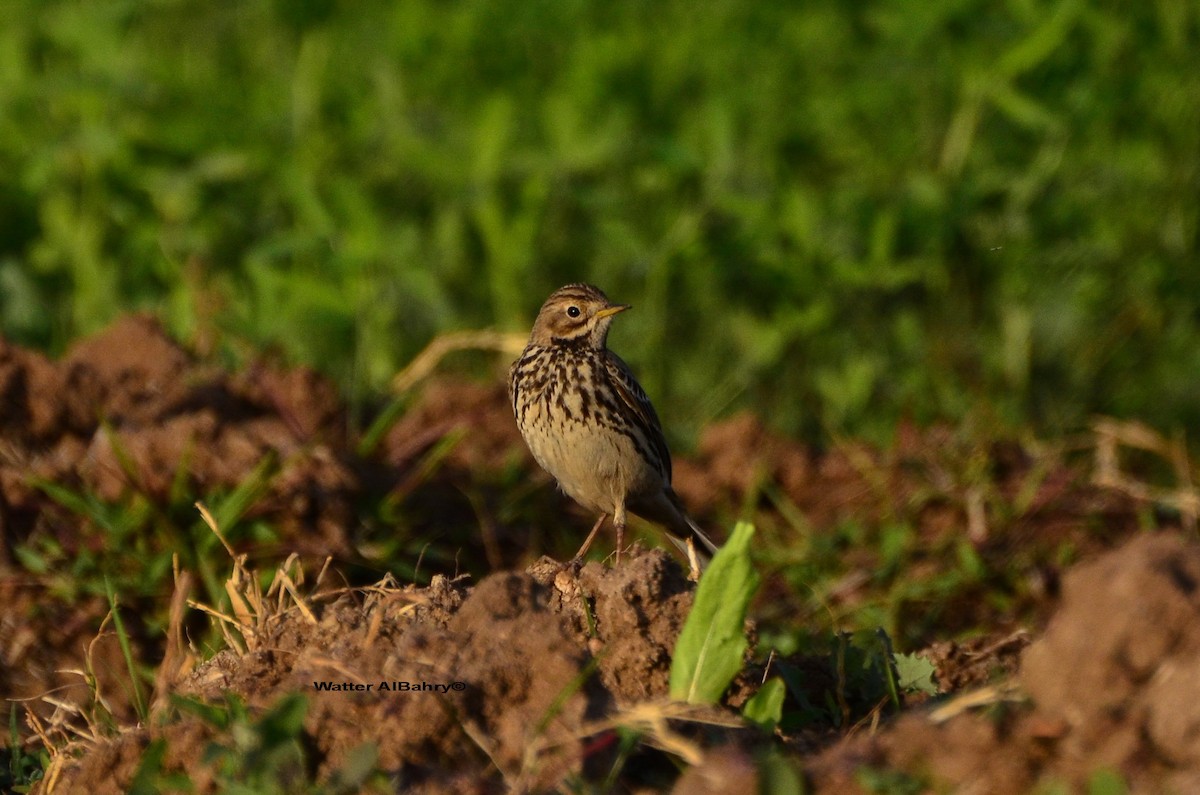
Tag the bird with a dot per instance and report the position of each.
(589, 424)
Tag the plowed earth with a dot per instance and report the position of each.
(1093, 666)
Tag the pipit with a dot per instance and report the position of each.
(589, 424)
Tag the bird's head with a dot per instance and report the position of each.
(575, 313)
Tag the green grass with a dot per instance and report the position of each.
(260, 751)
(20, 767)
(837, 214)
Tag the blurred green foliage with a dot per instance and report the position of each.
(835, 213)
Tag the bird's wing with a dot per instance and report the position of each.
(641, 410)
(513, 388)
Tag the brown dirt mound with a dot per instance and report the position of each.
(1110, 686)
(126, 410)
(514, 655)
(1113, 685)
(128, 416)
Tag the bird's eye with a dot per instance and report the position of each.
(573, 311)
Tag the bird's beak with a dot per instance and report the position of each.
(608, 311)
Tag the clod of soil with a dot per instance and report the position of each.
(127, 410)
(638, 610)
(1119, 665)
(129, 415)
(509, 662)
(1114, 685)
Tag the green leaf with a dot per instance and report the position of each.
(229, 510)
(915, 673)
(777, 775)
(889, 782)
(219, 716)
(284, 720)
(711, 646)
(1107, 782)
(765, 708)
(149, 769)
(139, 700)
(358, 766)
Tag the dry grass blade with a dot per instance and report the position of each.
(54, 771)
(284, 585)
(254, 610)
(379, 597)
(977, 528)
(973, 699)
(485, 744)
(241, 588)
(89, 674)
(65, 723)
(324, 570)
(226, 622)
(177, 658)
(1111, 435)
(652, 720)
(61, 737)
(427, 360)
(207, 516)
(73, 722)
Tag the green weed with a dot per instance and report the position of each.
(814, 216)
(865, 672)
(20, 768)
(710, 648)
(256, 753)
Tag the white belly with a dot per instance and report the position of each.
(598, 467)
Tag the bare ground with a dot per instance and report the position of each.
(1091, 664)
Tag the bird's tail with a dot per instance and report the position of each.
(684, 530)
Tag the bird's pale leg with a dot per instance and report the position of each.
(587, 544)
(619, 524)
